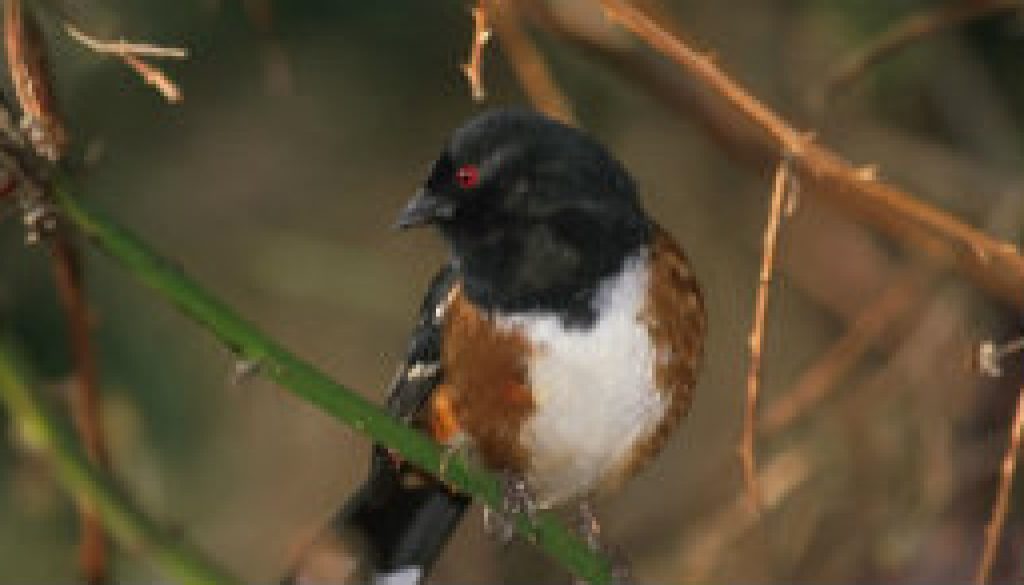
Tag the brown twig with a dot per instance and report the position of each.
(782, 475)
(122, 47)
(995, 265)
(770, 241)
(155, 78)
(994, 529)
(473, 68)
(131, 54)
(86, 400)
(661, 80)
(814, 384)
(26, 60)
(527, 61)
(906, 32)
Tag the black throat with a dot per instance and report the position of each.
(552, 266)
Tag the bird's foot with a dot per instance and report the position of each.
(451, 451)
(589, 530)
(516, 499)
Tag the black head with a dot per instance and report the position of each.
(536, 213)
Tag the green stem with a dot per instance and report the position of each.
(84, 480)
(274, 362)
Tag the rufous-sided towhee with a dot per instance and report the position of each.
(560, 345)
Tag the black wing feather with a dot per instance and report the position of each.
(407, 523)
(408, 395)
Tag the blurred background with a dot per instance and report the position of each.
(306, 125)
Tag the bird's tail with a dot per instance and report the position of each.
(393, 528)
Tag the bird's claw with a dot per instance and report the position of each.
(589, 530)
(516, 499)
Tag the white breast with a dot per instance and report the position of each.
(594, 390)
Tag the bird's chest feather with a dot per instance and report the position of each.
(572, 409)
(594, 391)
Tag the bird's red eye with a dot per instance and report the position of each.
(467, 176)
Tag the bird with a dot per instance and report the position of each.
(559, 346)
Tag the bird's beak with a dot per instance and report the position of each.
(423, 209)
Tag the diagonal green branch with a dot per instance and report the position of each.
(274, 362)
(86, 481)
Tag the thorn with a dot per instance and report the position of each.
(981, 253)
(867, 172)
(612, 15)
(1009, 248)
(244, 370)
(989, 356)
(988, 360)
(792, 203)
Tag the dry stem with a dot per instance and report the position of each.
(131, 54)
(154, 77)
(27, 63)
(994, 529)
(783, 474)
(995, 265)
(122, 47)
(473, 68)
(770, 242)
(527, 61)
(906, 32)
(86, 400)
(815, 383)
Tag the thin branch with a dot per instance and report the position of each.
(131, 54)
(780, 477)
(155, 78)
(906, 32)
(704, 67)
(30, 74)
(815, 383)
(661, 79)
(995, 265)
(122, 47)
(85, 404)
(994, 529)
(87, 482)
(770, 242)
(473, 68)
(527, 62)
(279, 365)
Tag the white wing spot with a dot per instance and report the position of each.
(442, 308)
(421, 370)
